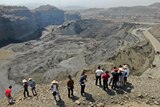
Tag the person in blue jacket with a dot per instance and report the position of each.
(83, 79)
(32, 84)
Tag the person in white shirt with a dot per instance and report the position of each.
(55, 90)
(98, 75)
(127, 72)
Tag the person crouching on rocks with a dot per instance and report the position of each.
(70, 85)
(83, 79)
(55, 90)
(25, 86)
(32, 84)
(9, 96)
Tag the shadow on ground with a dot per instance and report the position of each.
(89, 97)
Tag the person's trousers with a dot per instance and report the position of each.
(34, 92)
(57, 93)
(98, 78)
(82, 89)
(25, 91)
(10, 100)
(105, 84)
(125, 80)
(70, 91)
(111, 80)
(114, 84)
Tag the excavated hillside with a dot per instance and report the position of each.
(72, 47)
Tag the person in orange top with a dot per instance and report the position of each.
(8, 95)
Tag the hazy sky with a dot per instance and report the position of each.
(82, 3)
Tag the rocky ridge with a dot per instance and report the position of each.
(21, 24)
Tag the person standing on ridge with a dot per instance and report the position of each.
(105, 77)
(32, 84)
(115, 79)
(111, 77)
(127, 73)
(70, 85)
(55, 90)
(9, 96)
(25, 86)
(98, 75)
(83, 79)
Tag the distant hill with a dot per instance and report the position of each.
(149, 13)
(155, 5)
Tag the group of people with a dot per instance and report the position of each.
(26, 84)
(116, 78)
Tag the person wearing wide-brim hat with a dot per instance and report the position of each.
(32, 84)
(24, 80)
(54, 82)
(25, 86)
(55, 90)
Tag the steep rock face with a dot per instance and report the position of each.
(50, 15)
(17, 24)
(71, 16)
(20, 24)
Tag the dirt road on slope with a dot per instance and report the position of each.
(154, 72)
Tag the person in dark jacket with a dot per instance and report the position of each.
(115, 79)
(25, 86)
(70, 85)
(111, 77)
(83, 79)
(32, 84)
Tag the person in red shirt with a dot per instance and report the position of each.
(8, 95)
(105, 77)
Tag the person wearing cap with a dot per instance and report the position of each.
(115, 79)
(32, 84)
(70, 85)
(9, 96)
(98, 75)
(25, 86)
(55, 90)
(82, 81)
(105, 77)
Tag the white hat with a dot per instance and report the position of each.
(54, 82)
(29, 79)
(24, 80)
(121, 69)
(124, 66)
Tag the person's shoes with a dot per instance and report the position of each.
(55, 103)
